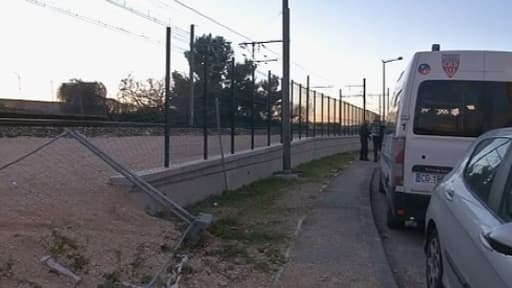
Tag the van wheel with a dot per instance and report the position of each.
(434, 261)
(393, 222)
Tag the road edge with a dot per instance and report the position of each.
(375, 241)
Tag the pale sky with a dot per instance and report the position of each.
(337, 42)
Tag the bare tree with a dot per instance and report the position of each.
(142, 94)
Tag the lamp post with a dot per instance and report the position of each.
(383, 106)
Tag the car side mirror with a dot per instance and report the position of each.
(500, 239)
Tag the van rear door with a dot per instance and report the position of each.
(444, 116)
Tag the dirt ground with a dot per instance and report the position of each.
(58, 202)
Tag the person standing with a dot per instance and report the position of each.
(364, 135)
(377, 135)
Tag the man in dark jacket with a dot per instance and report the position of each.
(364, 135)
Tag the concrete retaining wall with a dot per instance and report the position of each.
(196, 181)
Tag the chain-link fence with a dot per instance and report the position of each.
(60, 207)
(102, 92)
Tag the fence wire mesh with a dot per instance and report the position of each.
(60, 203)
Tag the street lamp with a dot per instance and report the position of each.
(384, 84)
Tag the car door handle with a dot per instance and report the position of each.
(449, 194)
(485, 242)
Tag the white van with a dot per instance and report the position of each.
(443, 100)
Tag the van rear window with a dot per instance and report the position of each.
(462, 108)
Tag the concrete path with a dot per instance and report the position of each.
(338, 245)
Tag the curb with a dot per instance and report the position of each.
(382, 265)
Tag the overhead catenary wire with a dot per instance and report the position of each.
(146, 16)
(91, 20)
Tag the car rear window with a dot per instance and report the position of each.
(462, 108)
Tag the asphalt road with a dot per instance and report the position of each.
(404, 248)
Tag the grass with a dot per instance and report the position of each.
(249, 222)
(257, 195)
(318, 170)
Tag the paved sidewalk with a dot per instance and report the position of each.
(338, 245)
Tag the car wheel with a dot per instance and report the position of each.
(393, 222)
(434, 265)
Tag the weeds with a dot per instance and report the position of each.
(110, 280)
(63, 247)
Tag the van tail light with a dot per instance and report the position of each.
(399, 156)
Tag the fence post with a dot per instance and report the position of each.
(269, 109)
(328, 116)
(281, 113)
(352, 118)
(333, 123)
(205, 104)
(253, 85)
(307, 106)
(340, 107)
(322, 116)
(167, 97)
(233, 105)
(335, 117)
(291, 108)
(191, 77)
(300, 111)
(314, 113)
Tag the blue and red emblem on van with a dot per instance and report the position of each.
(424, 69)
(451, 63)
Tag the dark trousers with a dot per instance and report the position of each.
(363, 154)
(377, 146)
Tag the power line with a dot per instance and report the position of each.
(144, 15)
(212, 20)
(304, 69)
(91, 20)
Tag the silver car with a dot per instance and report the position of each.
(469, 218)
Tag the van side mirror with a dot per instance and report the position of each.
(500, 239)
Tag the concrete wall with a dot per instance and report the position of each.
(196, 181)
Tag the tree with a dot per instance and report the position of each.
(145, 99)
(271, 89)
(180, 93)
(217, 51)
(149, 93)
(84, 98)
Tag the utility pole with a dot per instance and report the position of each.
(286, 89)
(383, 92)
(191, 76)
(388, 101)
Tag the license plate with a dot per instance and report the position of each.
(428, 178)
